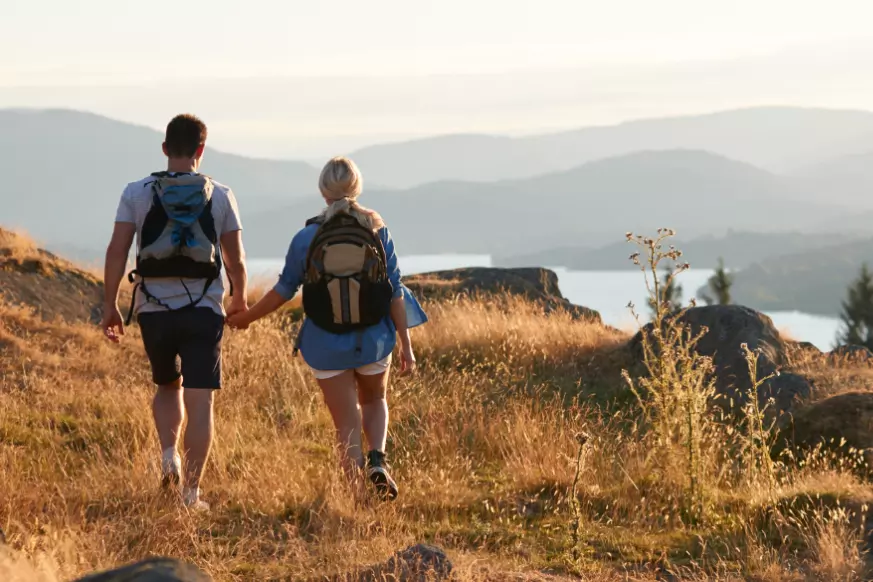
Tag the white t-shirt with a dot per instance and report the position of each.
(136, 201)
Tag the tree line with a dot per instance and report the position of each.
(856, 313)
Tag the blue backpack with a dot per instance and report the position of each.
(178, 237)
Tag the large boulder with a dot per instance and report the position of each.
(728, 328)
(536, 284)
(152, 570)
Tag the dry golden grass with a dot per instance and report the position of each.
(18, 244)
(484, 446)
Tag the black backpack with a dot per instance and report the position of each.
(346, 285)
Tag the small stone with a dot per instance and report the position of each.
(418, 563)
(152, 570)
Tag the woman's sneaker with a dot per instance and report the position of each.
(377, 472)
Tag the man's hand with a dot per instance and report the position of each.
(113, 324)
(407, 360)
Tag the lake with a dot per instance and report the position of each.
(606, 291)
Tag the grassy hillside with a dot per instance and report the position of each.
(486, 447)
(45, 282)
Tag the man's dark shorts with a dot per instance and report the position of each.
(194, 335)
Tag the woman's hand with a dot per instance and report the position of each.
(407, 360)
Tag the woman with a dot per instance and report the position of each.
(352, 367)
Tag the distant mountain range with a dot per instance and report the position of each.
(847, 179)
(64, 171)
(695, 192)
(779, 139)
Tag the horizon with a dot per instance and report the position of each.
(376, 144)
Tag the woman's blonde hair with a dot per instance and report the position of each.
(341, 183)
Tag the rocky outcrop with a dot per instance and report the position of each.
(728, 328)
(418, 563)
(540, 285)
(843, 421)
(152, 570)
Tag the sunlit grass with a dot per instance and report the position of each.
(483, 442)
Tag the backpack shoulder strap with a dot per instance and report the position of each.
(315, 220)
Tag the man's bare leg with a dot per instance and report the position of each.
(169, 413)
(198, 440)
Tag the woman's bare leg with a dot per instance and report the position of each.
(374, 408)
(340, 395)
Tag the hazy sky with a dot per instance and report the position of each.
(285, 78)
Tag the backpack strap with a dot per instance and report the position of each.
(152, 299)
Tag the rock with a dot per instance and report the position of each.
(418, 563)
(729, 327)
(846, 417)
(855, 354)
(152, 570)
(2, 537)
(540, 285)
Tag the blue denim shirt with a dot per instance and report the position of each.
(323, 350)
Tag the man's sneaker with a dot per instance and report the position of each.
(377, 472)
(171, 469)
(191, 500)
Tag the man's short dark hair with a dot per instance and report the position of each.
(185, 133)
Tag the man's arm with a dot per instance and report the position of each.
(113, 271)
(235, 263)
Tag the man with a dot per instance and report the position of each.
(186, 226)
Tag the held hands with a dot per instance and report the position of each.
(113, 324)
(237, 315)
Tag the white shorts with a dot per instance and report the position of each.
(368, 370)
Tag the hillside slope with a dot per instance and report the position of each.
(775, 138)
(64, 171)
(49, 284)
